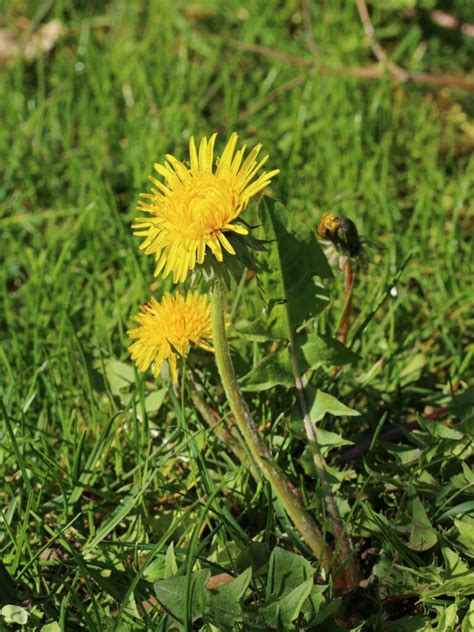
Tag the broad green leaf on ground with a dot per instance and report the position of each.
(312, 607)
(411, 372)
(293, 259)
(51, 627)
(289, 584)
(422, 534)
(154, 400)
(447, 618)
(322, 350)
(260, 330)
(462, 405)
(171, 594)
(468, 621)
(328, 440)
(466, 533)
(327, 404)
(274, 370)
(224, 604)
(163, 566)
(466, 507)
(454, 564)
(14, 614)
(286, 571)
(335, 476)
(328, 611)
(462, 585)
(171, 566)
(120, 375)
(220, 606)
(439, 430)
(256, 555)
(280, 614)
(155, 570)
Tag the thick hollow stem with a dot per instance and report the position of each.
(283, 489)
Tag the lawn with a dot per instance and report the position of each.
(130, 504)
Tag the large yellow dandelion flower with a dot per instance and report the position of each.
(167, 329)
(197, 208)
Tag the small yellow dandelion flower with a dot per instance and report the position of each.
(167, 329)
(197, 208)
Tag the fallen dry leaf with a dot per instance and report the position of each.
(41, 42)
(219, 580)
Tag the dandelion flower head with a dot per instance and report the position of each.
(196, 209)
(166, 330)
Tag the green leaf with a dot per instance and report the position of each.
(412, 371)
(119, 375)
(286, 572)
(274, 370)
(327, 404)
(422, 534)
(223, 605)
(154, 400)
(466, 533)
(312, 607)
(328, 440)
(289, 584)
(293, 259)
(466, 507)
(260, 330)
(171, 594)
(468, 621)
(155, 570)
(462, 406)
(280, 614)
(51, 627)
(220, 606)
(162, 567)
(15, 614)
(447, 618)
(330, 610)
(440, 431)
(171, 567)
(322, 350)
(454, 564)
(462, 585)
(256, 555)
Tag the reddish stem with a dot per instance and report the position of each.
(347, 311)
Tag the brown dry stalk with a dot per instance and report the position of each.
(362, 72)
(377, 49)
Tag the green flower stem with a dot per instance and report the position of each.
(283, 489)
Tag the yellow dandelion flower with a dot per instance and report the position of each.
(197, 207)
(167, 329)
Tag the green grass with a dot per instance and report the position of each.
(96, 480)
